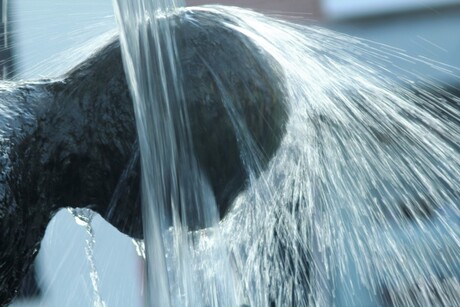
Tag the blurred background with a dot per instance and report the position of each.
(44, 38)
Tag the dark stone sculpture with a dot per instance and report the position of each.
(72, 142)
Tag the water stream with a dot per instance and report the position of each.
(359, 205)
(165, 142)
(84, 217)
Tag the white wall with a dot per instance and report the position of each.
(356, 8)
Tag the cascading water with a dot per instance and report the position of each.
(358, 206)
(173, 186)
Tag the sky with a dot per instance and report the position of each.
(47, 29)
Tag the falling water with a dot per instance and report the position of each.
(359, 206)
(84, 217)
(165, 142)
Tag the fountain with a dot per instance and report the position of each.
(281, 164)
(54, 157)
(360, 175)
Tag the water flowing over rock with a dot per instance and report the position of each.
(71, 142)
(361, 192)
(336, 174)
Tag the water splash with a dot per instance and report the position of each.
(84, 217)
(139, 245)
(366, 180)
(358, 207)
